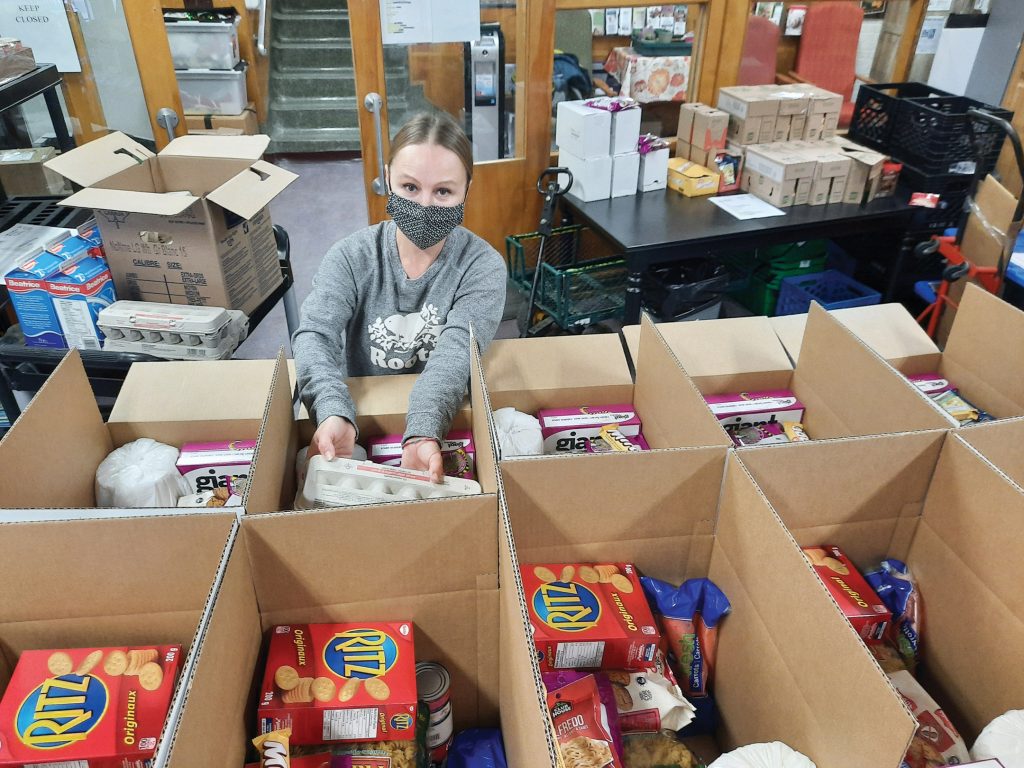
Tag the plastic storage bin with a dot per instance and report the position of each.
(877, 105)
(213, 91)
(203, 44)
(831, 289)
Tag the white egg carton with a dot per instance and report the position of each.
(343, 482)
(173, 331)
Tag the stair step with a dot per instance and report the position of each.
(311, 6)
(311, 85)
(311, 26)
(326, 112)
(285, 140)
(312, 54)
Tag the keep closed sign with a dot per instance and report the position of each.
(43, 26)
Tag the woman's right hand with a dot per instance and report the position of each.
(335, 437)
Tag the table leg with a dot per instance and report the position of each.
(634, 293)
(7, 401)
(60, 128)
(896, 270)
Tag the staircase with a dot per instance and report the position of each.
(313, 105)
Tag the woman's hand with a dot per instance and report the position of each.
(334, 437)
(424, 454)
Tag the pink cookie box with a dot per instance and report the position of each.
(568, 430)
(931, 384)
(637, 443)
(752, 409)
(208, 466)
(457, 449)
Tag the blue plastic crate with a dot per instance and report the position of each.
(831, 289)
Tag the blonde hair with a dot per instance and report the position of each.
(438, 128)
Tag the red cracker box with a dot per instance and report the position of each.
(865, 611)
(340, 682)
(88, 707)
(590, 616)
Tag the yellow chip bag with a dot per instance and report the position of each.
(274, 749)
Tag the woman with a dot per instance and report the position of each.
(400, 296)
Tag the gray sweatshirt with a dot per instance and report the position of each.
(365, 317)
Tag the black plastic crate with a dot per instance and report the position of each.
(875, 112)
(935, 135)
(952, 189)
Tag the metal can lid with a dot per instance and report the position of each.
(432, 681)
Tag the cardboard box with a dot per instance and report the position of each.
(745, 101)
(591, 179)
(567, 372)
(866, 613)
(339, 570)
(583, 132)
(79, 291)
(974, 359)
(744, 130)
(767, 132)
(783, 125)
(814, 127)
(578, 622)
(780, 162)
(87, 706)
(846, 389)
(779, 193)
(245, 124)
(625, 130)
(686, 524)
(691, 179)
(171, 402)
(653, 173)
(84, 604)
(330, 656)
(687, 112)
(865, 171)
(188, 226)
(916, 502)
(710, 128)
(625, 173)
(22, 173)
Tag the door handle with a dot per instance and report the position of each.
(167, 119)
(375, 104)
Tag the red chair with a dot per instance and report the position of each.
(828, 51)
(760, 49)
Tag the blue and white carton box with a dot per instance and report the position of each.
(79, 292)
(33, 304)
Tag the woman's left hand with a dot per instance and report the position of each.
(424, 455)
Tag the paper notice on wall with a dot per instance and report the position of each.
(404, 22)
(931, 30)
(43, 26)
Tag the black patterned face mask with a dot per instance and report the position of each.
(424, 225)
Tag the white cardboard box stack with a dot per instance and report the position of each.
(599, 147)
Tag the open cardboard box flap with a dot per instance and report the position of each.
(252, 189)
(100, 158)
(887, 328)
(981, 352)
(1002, 443)
(784, 650)
(153, 203)
(240, 147)
(930, 500)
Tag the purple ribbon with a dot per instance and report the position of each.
(649, 142)
(612, 105)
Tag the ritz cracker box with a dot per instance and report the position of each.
(190, 225)
(88, 707)
(340, 682)
(590, 616)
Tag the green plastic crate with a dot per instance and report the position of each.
(761, 292)
(579, 283)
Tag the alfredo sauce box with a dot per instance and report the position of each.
(209, 466)
(590, 616)
(753, 409)
(858, 601)
(87, 707)
(340, 682)
(568, 430)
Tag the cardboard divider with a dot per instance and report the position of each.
(171, 402)
(1002, 443)
(271, 489)
(847, 389)
(934, 502)
(88, 603)
(976, 358)
(566, 372)
(784, 641)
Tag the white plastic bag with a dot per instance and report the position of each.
(140, 474)
(1002, 739)
(518, 433)
(774, 754)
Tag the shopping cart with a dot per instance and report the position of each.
(958, 265)
(550, 191)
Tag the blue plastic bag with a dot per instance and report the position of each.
(477, 748)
